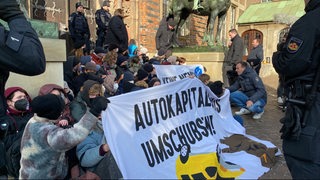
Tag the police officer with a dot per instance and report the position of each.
(20, 52)
(103, 17)
(297, 61)
(79, 28)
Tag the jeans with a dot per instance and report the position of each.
(240, 99)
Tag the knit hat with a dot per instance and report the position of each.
(152, 81)
(90, 66)
(78, 4)
(78, 44)
(99, 50)
(48, 106)
(121, 59)
(106, 3)
(47, 88)
(148, 67)
(142, 74)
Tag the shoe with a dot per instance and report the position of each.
(280, 101)
(257, 115)
(242, 111)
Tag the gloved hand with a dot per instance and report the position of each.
(99, 104)
(10, 9)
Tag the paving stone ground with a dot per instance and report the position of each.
(267, 128)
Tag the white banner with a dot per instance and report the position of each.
(172, 73)
(174, 131)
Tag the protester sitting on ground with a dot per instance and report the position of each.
(68, 91)
(154, 82)
(205, 78)
(64, 121)
(132, 48)
(217, 88)
(109, 72)
(181, 61)
(18, 114)
(140, 79)
(248, 91)
(97, 55)
(90, 72)
(82, 102)
(95, 156)
(71, 69)
(134, 64)
(172, 60)
(158, 58)
(44, 144)
(151, 71)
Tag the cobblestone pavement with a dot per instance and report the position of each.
(267, 128)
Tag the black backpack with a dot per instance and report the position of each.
(13, 157)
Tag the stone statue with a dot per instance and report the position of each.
(181, 9)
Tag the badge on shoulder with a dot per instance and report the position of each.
(294, 44)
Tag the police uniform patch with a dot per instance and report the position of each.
(294, 44)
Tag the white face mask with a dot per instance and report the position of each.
(115, 87)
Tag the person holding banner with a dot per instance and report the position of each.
(248, 92)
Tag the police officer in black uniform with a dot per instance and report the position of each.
(297, 60)
(79, 28)
(103, 17)
(20, 52)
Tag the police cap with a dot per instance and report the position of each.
(78, 4)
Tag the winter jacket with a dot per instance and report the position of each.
(251, 85)
(44, 144)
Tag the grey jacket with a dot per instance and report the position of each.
(235, 51)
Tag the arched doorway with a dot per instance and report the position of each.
(248, 36)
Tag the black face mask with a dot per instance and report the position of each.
(22, 105)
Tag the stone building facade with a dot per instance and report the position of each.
(142, 21)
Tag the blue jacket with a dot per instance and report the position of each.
(88, 150)
(251, 85)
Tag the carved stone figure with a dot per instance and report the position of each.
(181, 9)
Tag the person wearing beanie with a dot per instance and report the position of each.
(82, 102)
(90, 72)
(79, 28)
(103, 17)
(44, 142)
(151, 71)
(154, 82)
(18, 114)
(65, 121)
(141, 78)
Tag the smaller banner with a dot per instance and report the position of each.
(172, 73)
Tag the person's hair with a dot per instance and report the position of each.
(258, 40)
(233, 31)
(12, 94)
(133, 41)
(119, 12)
(134, 60)
(96, 89)
(78, 53)
(110, 57)
(243, 63)
(204, 77)
(181, 59)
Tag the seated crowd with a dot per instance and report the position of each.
(89, 81)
